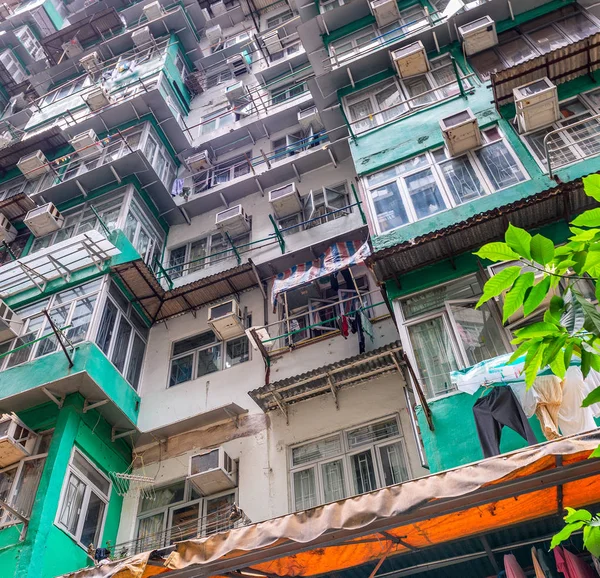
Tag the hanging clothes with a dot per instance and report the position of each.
(596, 564)
(347, 278)
(356, 326)
(525, 397)
(537, 567)
(333, 280)
(547, 564)
(344, 326)
(512, 567)
(572, 566)
(177, 188)
(592, 381)
(548, 395)
(494, 411)
(572, 417)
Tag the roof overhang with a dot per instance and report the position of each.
(47, 141)
(500, 492)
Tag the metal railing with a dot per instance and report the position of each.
(572, 143)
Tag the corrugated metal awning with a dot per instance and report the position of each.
(47, 141)
(16, 207)
(160, 304)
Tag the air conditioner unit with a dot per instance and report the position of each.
(214, 34)
(238, 65)
(18, 103)
(461, 132)
(91, 62)
(17, 441)
(218, 8)
(478, 35)
(385, 11)
(6, 10)
(206, 14)
(72, 48)
(142, 37)
(233, 221)
(86, 144)
(212, 472)
(5, 139)
(226, 320)
(199, 161)
(10, 323)
(285, 201)
(44, 220)
(34, 165)
(272, 41)
(235, 91)
(410, 60)
(97, 98)
(309, 118)
(536, 104)
(153, 10)
(263, 335)
(7, 231)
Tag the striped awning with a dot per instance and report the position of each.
(335, 258)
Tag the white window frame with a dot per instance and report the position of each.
(29, 41)
(216, 120)
(357, 48)
(89, 488)
(288, 50)
(445, 192)
(217, 78)
(345, 456)
(288, 91)
(327, 5)
(278, 19)
(13, 66)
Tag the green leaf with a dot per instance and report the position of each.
(597, 291)
(591, 540)
(519, 240)
(536, 296)
(542, 249)
(590, 218)
(514, 298)
(591, 398)
(554, 350)
(582, 234)
(590, 312)
(573, 319)
(521, 350)
(568, 354)
(533, 362)
(591, 186)
(586, 362)
(497, 252)
(557, 365)
(591, 262)
(565, 533)
(540, 329)
(595, 453)
(577, 515)
(499, 283)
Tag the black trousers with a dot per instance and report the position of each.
(494, 411)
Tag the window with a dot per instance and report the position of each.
(390, 99)
(201, 253)
(279, 19)
(19, 482)
(13, 66)
(570, 145)
(74, 307)
(67, 89)
(291, 144)
(231, 169)
(231, 41)
(216, 120)
(122, 335)
(289, 50)
(327, 5)
(352, 462)
(355, 43)
(218, 78)
(433, 182)
(203, 354)
(145, 237)
(30, 42)
(444, 332)
(411, 20)
(84, 501)
(157, 155)
(288, 92)
(178, 513)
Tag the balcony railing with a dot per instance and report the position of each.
(572, 143)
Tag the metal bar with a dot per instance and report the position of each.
(258, 280)
(260, 345)
(358, 204)
(29, 343)
(13, 512)
(458, 79)
(237, 254)
(102, 223)
(377, 566)
(59, 336)
(420, 394)
(490, 554)
(278, 234)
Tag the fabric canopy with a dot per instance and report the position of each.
(337, 257)
(495, 493)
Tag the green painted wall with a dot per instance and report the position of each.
(53, 14)
(48, 551)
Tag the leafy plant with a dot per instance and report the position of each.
(575, 520)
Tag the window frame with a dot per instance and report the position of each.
(289, 91)
(217, 78)
(278, 19)
(89, 488)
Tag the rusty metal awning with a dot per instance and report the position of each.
(329, 378)
(86, 31)
(160, 304)
(560, 65)
(16, 207)
(47, 141)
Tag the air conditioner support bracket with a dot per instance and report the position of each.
(234, 417)
(118, 433)
(59, 401)
(87, 406)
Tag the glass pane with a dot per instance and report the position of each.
(485, 63)
(371, 433)
(393, 465)
(389, 207)
(149, 534)
(500, 165)
(218, 512)
(209, 360)
(165, 495)
(318, 450)
(417, 85)
(478, 332)
(90, 534)
(236, 351)
(386, 99)
(198, 253)
(548, 38)
(333, 481)
(578, 27)
(361, 114)
(107, 326)
(561, 153)
(446, 79)
(517, 51)
(59, 315)
(305, 490)
(91, 473)
(121, 344)
(462, 180)
(363, 472)
(425, 194)
(184, 523)
(181, 369)
(176, 260)
(71, 506)
(434, 355)
(194, 342)
(6, 481)
(135, 361)
(81, 319)
(585, 135)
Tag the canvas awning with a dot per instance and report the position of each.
(496, 493)
(335, 258)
